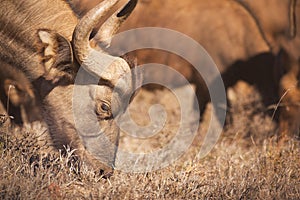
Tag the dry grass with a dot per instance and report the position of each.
(246, 163)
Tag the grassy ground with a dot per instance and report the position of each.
(246, 163)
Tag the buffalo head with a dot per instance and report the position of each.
(84, 89)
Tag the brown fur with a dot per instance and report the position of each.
(17, 92)
(238, 35)
(224, 28)
(282, 33)
(35, 41)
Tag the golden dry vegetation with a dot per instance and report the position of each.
(246, 163)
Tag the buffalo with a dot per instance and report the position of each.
(254, 40)
(48, 54)
(281, 33)
(18, 95)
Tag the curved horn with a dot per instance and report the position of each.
(85, 26)
(112, 25)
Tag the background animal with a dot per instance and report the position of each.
(282, 34)
(247, 40)
(17, 92)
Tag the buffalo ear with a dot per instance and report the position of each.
(56, 56)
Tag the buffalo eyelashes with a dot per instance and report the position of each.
(104, 110)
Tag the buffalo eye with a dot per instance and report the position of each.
(105, 107)
(104, 110)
